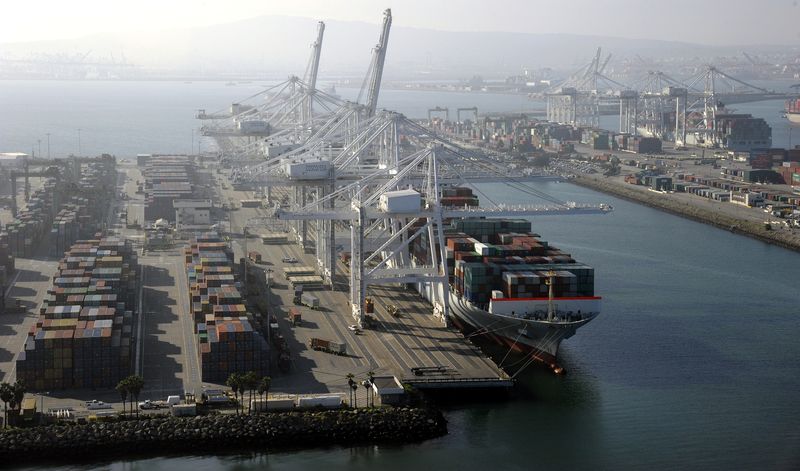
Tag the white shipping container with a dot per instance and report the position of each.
(310, 170)
(400, 201)
(328, 402)
(482, 248)
(310, 300)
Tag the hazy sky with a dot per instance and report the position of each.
(703, 21)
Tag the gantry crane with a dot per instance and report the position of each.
(375, 73)
(374, 162)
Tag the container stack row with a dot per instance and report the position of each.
(503, 255)
(87, 187)
(27, 229)
(166, 178)
(71, 224)
(83, 336)
(6, 260)
(458, 197)
(228, 336)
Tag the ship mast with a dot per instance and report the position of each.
(550, 306)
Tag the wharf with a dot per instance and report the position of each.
(414, 347)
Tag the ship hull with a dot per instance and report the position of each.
(538, 338)
(793, 118)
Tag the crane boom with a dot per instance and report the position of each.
(316, 50)
(605, 63)
(379, 56)
(315, 54)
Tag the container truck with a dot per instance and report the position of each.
(294, 316)
(327, 346)
(310, 300)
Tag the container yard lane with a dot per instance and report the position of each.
(161, 353)
(30, 285)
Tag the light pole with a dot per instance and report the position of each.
(268, 274)
(40, 147)
(48, 146)
(79, 142)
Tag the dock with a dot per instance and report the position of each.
(414, 347)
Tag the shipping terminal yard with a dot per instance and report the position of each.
(340, 251)
(161, 342)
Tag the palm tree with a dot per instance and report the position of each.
(354, 388)
(234, 382)
(263, 389)
(371, 395)
(6, 395)
(122, 389)
(367, 386)
(18, 390)
(251, 381)
(17, 395)
(135, 385)
(350, 383)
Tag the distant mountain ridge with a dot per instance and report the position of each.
(279, 45)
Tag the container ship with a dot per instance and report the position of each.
(509, 284)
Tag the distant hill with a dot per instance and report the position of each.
(279, 45)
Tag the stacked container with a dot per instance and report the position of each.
(228, 336)
(503, 256)
(83, 337)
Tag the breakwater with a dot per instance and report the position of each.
(690, 211)
(220, 433)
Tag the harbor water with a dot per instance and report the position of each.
(694, 363)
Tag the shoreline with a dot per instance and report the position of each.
(218, 434)
(689, 211)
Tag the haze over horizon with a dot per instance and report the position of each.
(717, 23)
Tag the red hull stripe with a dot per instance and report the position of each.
(578, 298)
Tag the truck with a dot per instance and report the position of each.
(215, 397)
(327, 346)
(298, 291)
(254, 256)
(294, 316)
(310, 300)
(274, 327)
(173, 400)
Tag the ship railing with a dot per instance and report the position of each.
(417, 380)
(501, 208)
